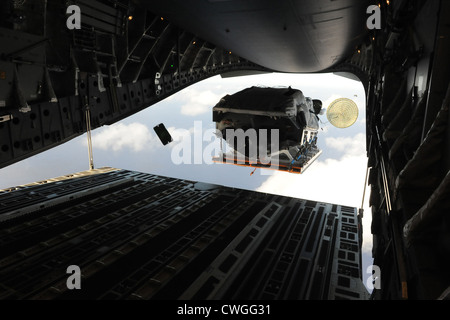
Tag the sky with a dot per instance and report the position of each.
(337, 176)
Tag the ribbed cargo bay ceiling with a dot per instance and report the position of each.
(286, 36)
(128, 55)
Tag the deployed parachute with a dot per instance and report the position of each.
(342, 113)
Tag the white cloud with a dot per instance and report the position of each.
(333, 181)
(135, 136)
(198, 102)
(179, 135)
(196, 145)
(351, 146)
